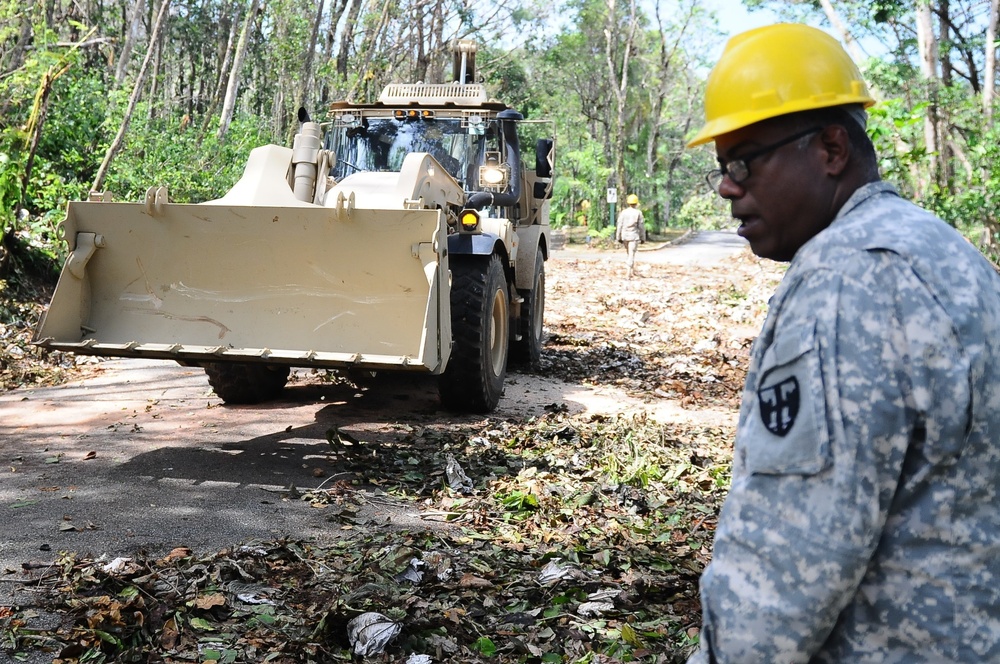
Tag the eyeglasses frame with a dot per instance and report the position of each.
(714, 177)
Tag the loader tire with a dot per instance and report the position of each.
(528, 349)
(480, 318)
(237, 383)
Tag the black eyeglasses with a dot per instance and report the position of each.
(738, 170)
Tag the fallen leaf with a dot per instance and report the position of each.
(470, 580)
(177, 554)
(206, 602)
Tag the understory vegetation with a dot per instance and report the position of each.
(118, 97)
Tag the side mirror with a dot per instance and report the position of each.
(542, 190)
(544, 157)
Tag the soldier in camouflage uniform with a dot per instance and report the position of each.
(863, 522)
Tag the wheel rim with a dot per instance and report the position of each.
(498, 332)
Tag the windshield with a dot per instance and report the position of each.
(381, 144)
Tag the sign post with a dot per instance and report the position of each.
(612, 199)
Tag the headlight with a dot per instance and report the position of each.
(491, 175)
(469, 221)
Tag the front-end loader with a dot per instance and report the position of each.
(405, 235)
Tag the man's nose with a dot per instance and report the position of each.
(730, 189)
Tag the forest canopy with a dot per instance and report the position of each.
(119, 96)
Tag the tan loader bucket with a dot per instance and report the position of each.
(296, 285)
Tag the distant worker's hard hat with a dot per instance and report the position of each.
(776, 70)
(632, 199)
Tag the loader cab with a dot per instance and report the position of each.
(478, 143)
(382, 142)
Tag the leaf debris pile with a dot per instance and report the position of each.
(675, 332)
(580, 539)
(562, 538)
(21, 363)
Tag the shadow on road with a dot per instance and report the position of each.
(143, 456)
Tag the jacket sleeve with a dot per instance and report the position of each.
(826, 422)
(642, 227)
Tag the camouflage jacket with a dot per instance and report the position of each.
(863, 522)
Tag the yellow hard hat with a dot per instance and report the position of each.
(632, 199)
(776, 70)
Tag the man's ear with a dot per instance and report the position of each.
(837, 148)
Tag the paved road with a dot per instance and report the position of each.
(702, 247)
(144, 455)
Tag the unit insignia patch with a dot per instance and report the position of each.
(779, 405)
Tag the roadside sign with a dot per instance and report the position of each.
(612, 195)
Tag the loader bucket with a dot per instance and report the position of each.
(293, 284)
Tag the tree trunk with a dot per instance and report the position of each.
(336, 12)
(307, 67)
(347, 38)
(35, 124)
(944, 38)
(669, 49)
(116, 144)
(220, 81)
(420, 58)
(945, 174)
(437, 63)
(154, 81)
(21, 45)
(131, 34)
(618, 75)
(229, 104)
(849, 41)
(371, 48)
(845, 35)
(990, 56)
(928, 47)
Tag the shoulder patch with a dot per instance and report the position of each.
(779, 405)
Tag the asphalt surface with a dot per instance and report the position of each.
(141, 456)
(704, 247)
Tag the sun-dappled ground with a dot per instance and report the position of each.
(554, 538)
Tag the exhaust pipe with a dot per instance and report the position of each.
(464, 62)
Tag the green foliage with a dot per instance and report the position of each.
(9, 190)
(485, 646)
(519, 502)
(582, 175)
(629, 463)
(703, 211)
(507, 79)
(572, 76)
(168, 153)
(895, 131)
(972, 207)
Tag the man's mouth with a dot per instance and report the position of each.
(747, 225)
